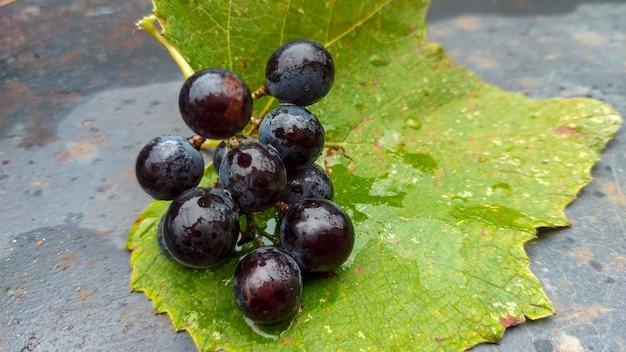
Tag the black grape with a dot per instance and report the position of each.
(168, 165)
(300, 72)
(219, 154)
(295, 132)
(318, 234)
(267, 285)
(311, 182)
(222, 150)
(253, 175)
(200, 228)
(215, 103)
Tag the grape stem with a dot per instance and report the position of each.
(252, 232)
(233, 142)
(196, 141)
(255, 123)
(282, 207)
(210, 143)
(148, 24)
(261, 92)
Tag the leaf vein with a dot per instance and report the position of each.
(357, 24)
(282, 30)
(330, 16)
(228, 41)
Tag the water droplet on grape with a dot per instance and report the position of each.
(244, 160)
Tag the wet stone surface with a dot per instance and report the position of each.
(56, 53)
(80, 93)
(66, 290)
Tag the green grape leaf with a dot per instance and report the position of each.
(445, 179)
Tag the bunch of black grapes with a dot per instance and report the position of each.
(274, 166)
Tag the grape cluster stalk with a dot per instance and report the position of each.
(271, 165)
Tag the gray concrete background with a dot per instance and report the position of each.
(78, 92)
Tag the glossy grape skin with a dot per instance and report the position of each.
(201, 227)
(167, 166)
(222, 150)
(267, 285)
(318, 234)
(215, 103)
(253, 175)
(300, 72)
(310, 182)
(295, 132)
(161, 241)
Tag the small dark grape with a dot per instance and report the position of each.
(200, 227)
(253, 175)
(318, 234)
(167, 166)
(222, 150)
(311, 182)
(215, 103)
(219, 154)
(295, 132)
(267, 285)
(300, 72)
